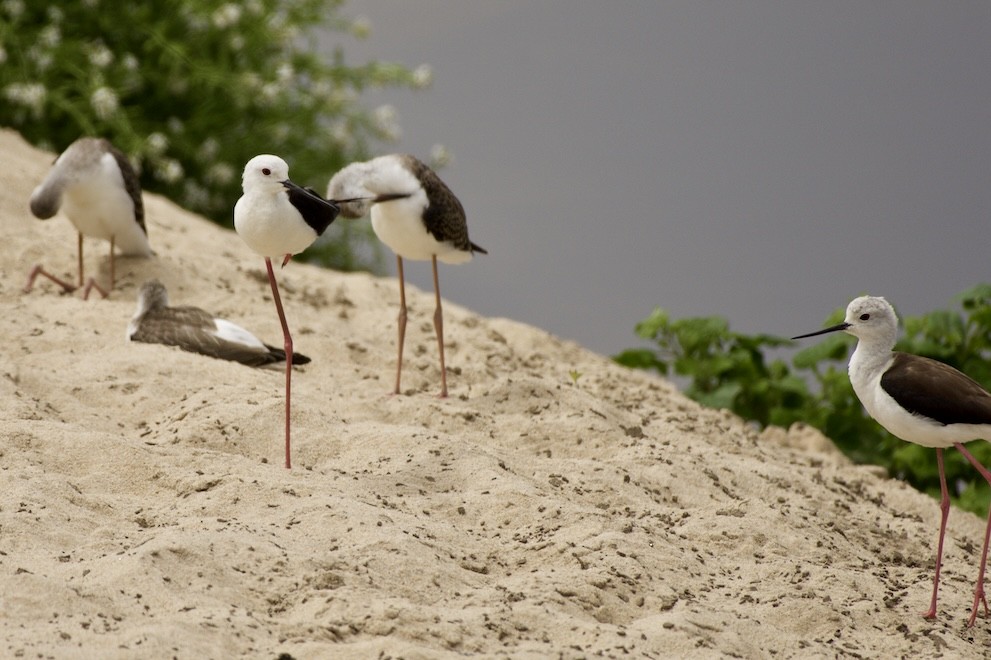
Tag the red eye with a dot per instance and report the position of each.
(266, 171)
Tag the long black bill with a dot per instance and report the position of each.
(835, 328)
(374, 200)
(309, 193)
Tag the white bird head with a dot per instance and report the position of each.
(349, 183)
(868, 318)
(264, 173)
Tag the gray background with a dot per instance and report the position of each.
(763, 161)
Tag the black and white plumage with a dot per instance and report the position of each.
(96, 187)
(417, 216)
(278, 219)
(919, 400)
(197, 331)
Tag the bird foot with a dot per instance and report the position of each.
(39, 270)
(90, 285)
(978, 601)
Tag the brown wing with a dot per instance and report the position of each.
(936, 390)
(131, 183)
(192, 329)
(444, 217)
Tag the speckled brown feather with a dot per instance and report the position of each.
(444, 217)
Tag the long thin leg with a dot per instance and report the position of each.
(91, 284)
(979, 589)
(439, 328)
(113, 274)
(944, 507)
(79, 252)
(402, 321)
(39, 270)
(288, 347)
(66, 287)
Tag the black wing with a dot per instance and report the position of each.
(316, 211)
(936, 390)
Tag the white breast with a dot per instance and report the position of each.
(271, 226)
(99, 206)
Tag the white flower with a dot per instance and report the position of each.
(41, 58)
(168, 170)
(387, 121)
(3, 55)
(361, 27)
(226, 16)
(55, 15)
(104, 102)
(237, 41)
(423, 76)
(285, 72)
(14, 8)
(340, 132)
(208, 150)
(90, 4)
(31, 95)
(268, 93)
(50, 36)
(175, 125)
(195, 195)
(100, 56)
(440, 155)
(221, 173)
(157, 143)
(130, 62)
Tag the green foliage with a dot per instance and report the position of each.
(190, 90)
(730, 370)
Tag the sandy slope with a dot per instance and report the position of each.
(144, 511)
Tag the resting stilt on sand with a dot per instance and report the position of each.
(278, 219)
(418, 217)
(918, 400)
(197, 331)
(95, 186)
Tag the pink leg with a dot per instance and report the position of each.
(439, 328)
(39, 270)
(402, 321)
(79, 252)
(979, 589)
(113, 271)
(288, 348)
(944, 507)
(90, 285)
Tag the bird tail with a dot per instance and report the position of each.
(279, 355)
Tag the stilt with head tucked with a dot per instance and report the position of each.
(95, 186)
(417, 216)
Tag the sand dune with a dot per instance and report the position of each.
(144, 511)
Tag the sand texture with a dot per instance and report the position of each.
(145, 512)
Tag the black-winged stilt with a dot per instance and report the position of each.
(417, 216)
(94, 184)
(278, 219)
(197, 331)
(919, 400)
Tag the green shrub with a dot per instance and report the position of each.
(190, 90)
(729, 370)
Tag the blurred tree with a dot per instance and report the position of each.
(190, 90)
(730, 370)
